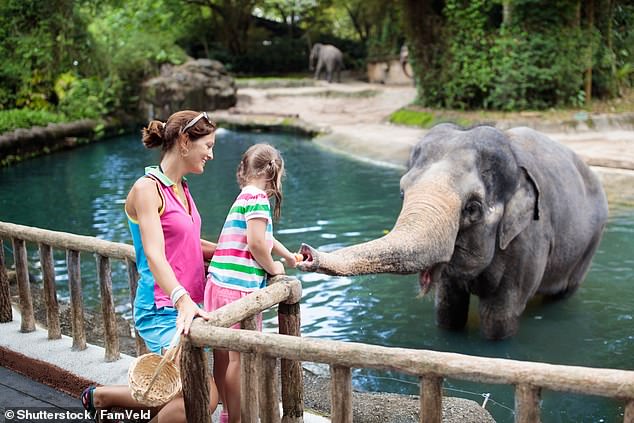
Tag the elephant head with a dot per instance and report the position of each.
(463, 190)
(314, 54)
(466, 197)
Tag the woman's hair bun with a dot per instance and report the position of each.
(154, 134)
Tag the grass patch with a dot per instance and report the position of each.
(411, 117)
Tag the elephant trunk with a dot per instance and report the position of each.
(423, 236)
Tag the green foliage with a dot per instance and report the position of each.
(38, 41)
(25, 118)
(537, 71)
(468, 69)
(86, 97)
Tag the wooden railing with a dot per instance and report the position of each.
(261, 350)
(73, 245)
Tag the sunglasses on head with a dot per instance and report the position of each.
(195, 120)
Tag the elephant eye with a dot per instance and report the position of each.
(473, 210)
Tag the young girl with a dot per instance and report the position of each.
(243, 258)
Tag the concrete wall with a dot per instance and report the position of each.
(388, 72)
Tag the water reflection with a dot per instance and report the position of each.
(331, 202)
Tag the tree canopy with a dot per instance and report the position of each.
(88, 57)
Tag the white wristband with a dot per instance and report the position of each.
(176, 294)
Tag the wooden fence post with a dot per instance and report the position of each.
(111, 338)
(249, 379)
(430, 399)
(76, 300)
(50, 291)
(24, 286)
(628, 413)
(269, 392)
(527, 404)
(289, 320)
(195, 379)
(133, 277)
(6, 313)
(341, 394)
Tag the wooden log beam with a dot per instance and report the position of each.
(611, 383)
(50, 291)
(76, 300)
(111, 338)
(6, 312)
(527, 403)
(24, 286)
(195, 379)
(340, 394)
(66, 241)
(430, 399)
(252, 304)
(249, 377)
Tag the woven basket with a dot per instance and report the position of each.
(158, 373)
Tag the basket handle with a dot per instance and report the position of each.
(170, 355)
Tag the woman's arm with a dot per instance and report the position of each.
(145, 203)
(256, 241)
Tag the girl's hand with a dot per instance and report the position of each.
(187, 311)
(292, 260)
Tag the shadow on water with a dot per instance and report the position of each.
(331, 201)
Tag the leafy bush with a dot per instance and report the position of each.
(26, 118)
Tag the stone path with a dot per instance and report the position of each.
(353, 117)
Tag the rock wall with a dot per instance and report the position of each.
(28, 142)
(200, 84)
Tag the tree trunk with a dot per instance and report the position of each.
(588, 75)
(507, 13)
(422, 26)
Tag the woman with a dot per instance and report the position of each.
(165, 227)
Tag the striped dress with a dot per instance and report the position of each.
(232, 265)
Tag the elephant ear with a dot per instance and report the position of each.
(520, 210)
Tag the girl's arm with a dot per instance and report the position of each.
(256, 240)
(282, 251)
(209, 248)
(145, 204)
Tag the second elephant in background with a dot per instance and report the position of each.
(327, 57)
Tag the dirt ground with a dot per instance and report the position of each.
(352, 118)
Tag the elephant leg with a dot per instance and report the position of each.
(320, 64)
(498, 319)
(452, 305)
(329, 73)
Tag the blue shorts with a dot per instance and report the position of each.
(156, 326)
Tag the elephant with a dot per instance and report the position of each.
(502, 215)
(327, 56)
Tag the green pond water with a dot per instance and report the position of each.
(332, 201)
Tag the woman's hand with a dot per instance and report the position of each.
(187, 311)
